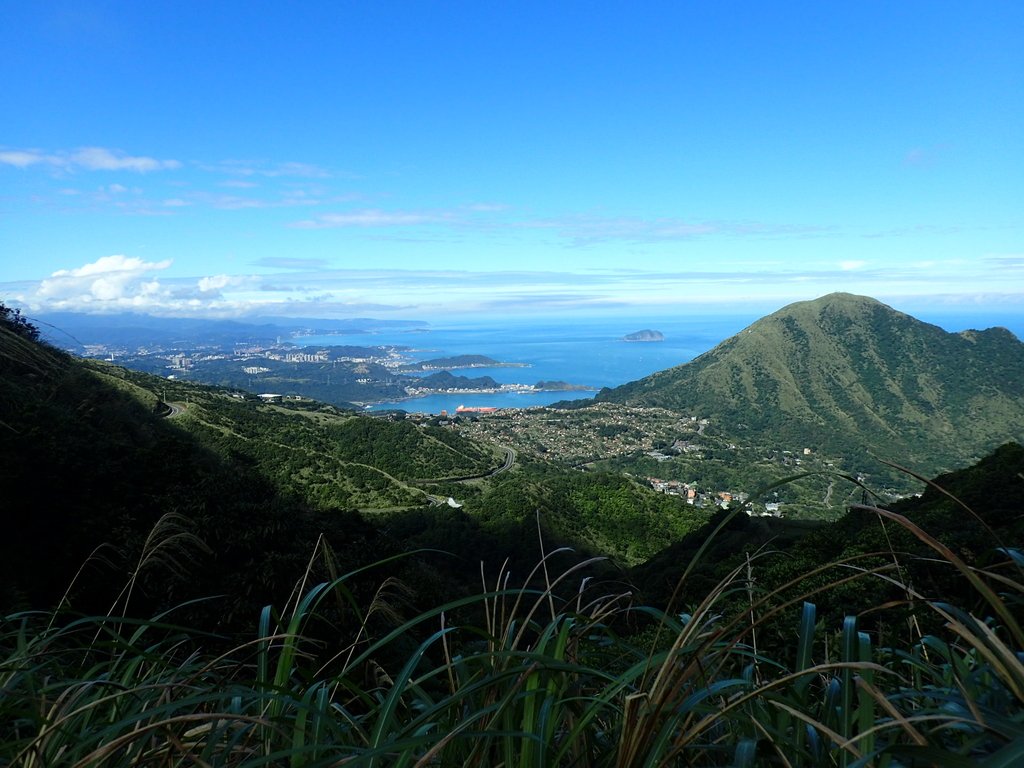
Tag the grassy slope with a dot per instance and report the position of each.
(542, 680)
(977, 511)
(539, 680)
(848, 375)
(86, 451)
(90, 446)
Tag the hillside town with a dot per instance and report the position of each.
(672, 453)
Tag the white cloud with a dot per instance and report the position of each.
(1008, 261)
(579, 229)
(925, 156)
(227, 202)
(287, 262)
(487, 207)
(86, 158)
(214, 284)
(305, 170)
(100, 159)
(116, 263)
(849, 266)
(593, 229)
(22, 158)
(116, 280)
(373, 218)
(269, 170)
(120, 283)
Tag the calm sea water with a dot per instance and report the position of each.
(586, 353)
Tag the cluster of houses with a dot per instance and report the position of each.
(721, 499)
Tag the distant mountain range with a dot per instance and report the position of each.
(75, 330)
(849, 375)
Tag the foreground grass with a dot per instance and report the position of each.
(544, 677)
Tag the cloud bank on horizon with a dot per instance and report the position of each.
(327, 161)
(311, 288)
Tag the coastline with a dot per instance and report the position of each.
(524, 389)
(413, 367)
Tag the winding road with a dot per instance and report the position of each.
(510, 460)
(176, 410)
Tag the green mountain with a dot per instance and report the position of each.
(849, 376)
(448, 380)
(392, 661)
(93, 455)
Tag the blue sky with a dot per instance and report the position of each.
(424, 160)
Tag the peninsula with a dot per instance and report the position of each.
(459, 361)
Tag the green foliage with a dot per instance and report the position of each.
(87, 444)
(408, 451)
(598, 511)
(861, 541)
(891, 638)
(12, 320)
(447, 380)
(851, 377)
(544, 676)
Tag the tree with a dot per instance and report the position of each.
(14, 321)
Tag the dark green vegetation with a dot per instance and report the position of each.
(975, 512)
(848, 376)
(605, 513)
(446, 380)
(656, 446)
(559, 386)
(92, 455)
(890, 638)
(101, 456)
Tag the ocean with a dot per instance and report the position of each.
(590, 353)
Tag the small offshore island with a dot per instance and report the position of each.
(645, 335)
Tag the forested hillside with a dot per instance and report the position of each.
(287, 582)
(849, 376)
(974, 512)
(101, 453)
(95, 457)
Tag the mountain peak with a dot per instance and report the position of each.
(850, 374)
(844, 303)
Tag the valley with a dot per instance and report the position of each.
(632, 498)
(681, 455)
(512, 385)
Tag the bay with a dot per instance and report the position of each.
(589, 353)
